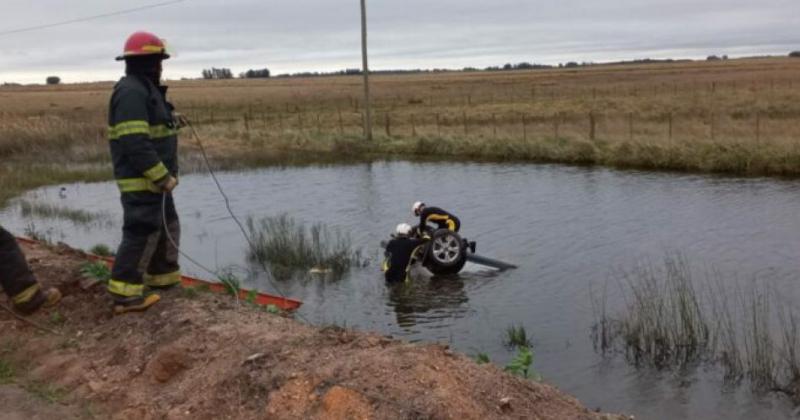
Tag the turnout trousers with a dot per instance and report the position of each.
(16, 277)
(146, 256)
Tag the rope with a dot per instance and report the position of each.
(228, 207)
(28, 321)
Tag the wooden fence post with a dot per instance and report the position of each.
(246, 123)
(387, 124)
(592, 126)
(413, 127)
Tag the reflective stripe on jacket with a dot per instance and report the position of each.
(142, 137)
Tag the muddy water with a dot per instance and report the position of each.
(569, 229)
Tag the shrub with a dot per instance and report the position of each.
(53, 80)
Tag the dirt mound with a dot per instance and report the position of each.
(202, 356)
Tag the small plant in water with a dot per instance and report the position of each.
(516, 336)
(49, 211)
(482, 359)
(97, 270)
(37, 235)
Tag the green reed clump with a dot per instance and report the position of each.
(668, 322)
(50, 211)
(517, 336)
(285, 244)
(664, 323)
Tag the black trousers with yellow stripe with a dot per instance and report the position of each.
(145, 256)
(16, 277)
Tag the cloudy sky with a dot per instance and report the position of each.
(323, 35)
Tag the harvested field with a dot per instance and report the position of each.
(733, 116)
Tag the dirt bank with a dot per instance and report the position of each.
(201, 356)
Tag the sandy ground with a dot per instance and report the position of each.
(203, 356)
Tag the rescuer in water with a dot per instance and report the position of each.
(435, 215)
(399, 255)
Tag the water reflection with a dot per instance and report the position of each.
(571, 228)
(424, 299)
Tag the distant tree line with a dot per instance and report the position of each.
(255, 74)
(215, 73)
(225, 73)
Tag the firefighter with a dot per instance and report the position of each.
(17, 280)
(399, 254)
(435, 215)
(143, 139)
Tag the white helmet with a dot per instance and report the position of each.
(403, 229)
(417, 208)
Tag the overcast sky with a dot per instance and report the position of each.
(323, 35)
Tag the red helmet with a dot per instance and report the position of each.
(143, 43)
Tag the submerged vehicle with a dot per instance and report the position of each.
(445, 253)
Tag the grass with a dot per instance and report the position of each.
(669, 321)
(57, 319)
(50, 211)
(48, 393)
(231, 282)
(101, 250)
(736, 116)
(288, 246)
(517, 336)
(7, 372)
(521, 364)
(97, 270)
(31, 231)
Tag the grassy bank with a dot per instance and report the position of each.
(738, 117)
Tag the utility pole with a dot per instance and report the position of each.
(365, 69)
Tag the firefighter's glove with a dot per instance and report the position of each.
(181, 120)
(168, 184)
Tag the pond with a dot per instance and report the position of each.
(569, 229)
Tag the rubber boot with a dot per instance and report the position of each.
(51, 297)
(135, 304)
(45, 299)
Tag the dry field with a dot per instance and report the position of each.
(737, 116)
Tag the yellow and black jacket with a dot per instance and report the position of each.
(142, 133)
(439, 217)
(398, 258)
